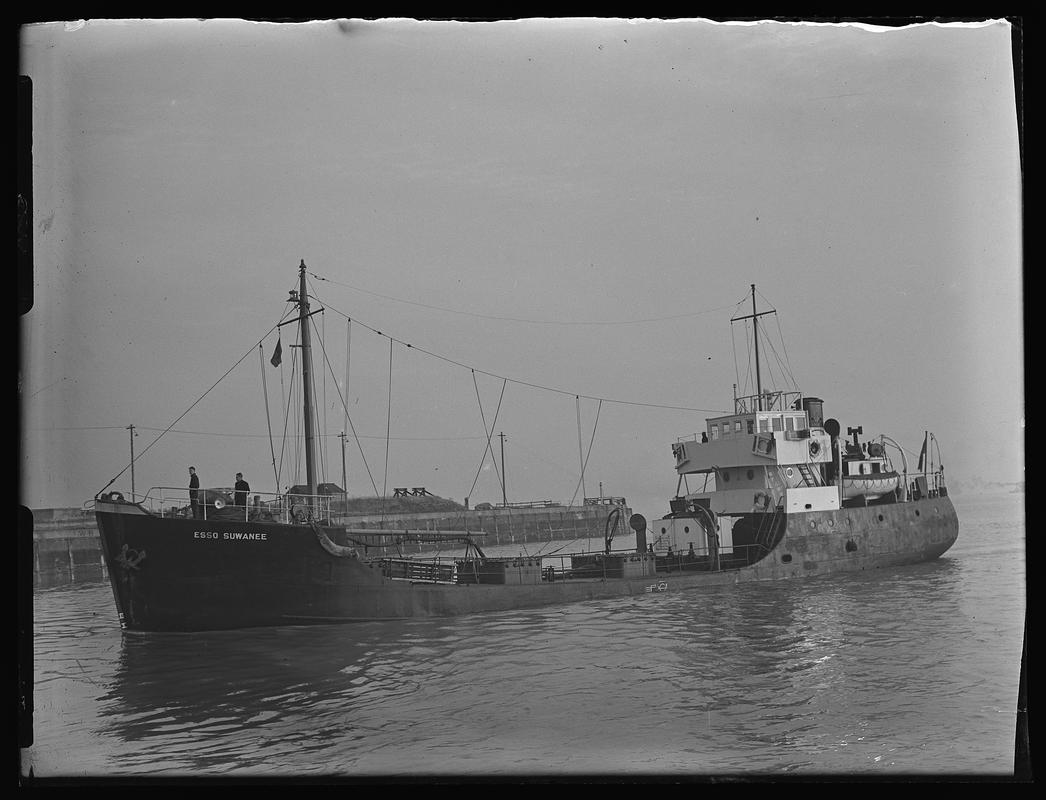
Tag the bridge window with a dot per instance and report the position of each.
(751, 426)
(764, 425)
(737, 426)
(778, 424)
(715, 432)
(790, 423)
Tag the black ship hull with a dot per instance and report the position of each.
(179, 574)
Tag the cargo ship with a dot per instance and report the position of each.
(783, 495)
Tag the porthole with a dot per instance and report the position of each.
(812, 524)
(786, 559)
(788, 472)
(936, 510)
(686, 529)
(881, 518)
(664, 530)
(751, 474)
(916, 512)
(726, 476)
(831, 523)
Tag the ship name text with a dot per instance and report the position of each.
(255, 537)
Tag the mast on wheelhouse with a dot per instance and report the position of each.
(306, 376)
(754, 316)
(755, 335)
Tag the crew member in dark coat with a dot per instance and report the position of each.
(194, 494)
(242, 490)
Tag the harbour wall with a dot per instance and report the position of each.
(502, 525)
(66, 546)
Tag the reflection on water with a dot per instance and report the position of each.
(62, 574)
(911, 670)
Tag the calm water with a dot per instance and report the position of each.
(906, 671)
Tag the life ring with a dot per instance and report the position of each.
(815, 449)
(115, 497)
(761, 499)
(219, 504)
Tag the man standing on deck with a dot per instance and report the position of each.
(194, 485)
(242, 490)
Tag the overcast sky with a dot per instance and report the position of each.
(575, 205)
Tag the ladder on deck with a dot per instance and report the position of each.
(810, 478)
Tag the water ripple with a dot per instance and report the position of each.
(909, 670)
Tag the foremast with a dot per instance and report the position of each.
(306, 377)
(754, 316)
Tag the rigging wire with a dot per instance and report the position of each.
(746, 388)
(268, 420)
(323, 338)
(291, 401)
(355, 435)
(286, 398)
(584, 463)
(489, 434)
(580, 454)
(786, 375)
(220, 434)
(314, 411)
(348, 356)
(516, 381)
(737, 373)
(388, 430)
(519, 319)
(180, 416)
(284, 401)
(784, 347)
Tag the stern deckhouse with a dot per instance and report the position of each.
(761, 460)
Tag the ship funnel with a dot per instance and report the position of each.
(637, 522)
(814, 408)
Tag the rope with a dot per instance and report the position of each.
(268, 420)
(517, 381)
(323, 338)
(285, 400)
(345, 407)
(348, 356)
(585, 462)
(784, 347)
(488, 434)
(180, 416)
(388, 430)
(580, 454)
(520, 319)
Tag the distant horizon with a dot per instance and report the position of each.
(989, 488)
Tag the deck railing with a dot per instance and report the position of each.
(220, 503)
(555, 567)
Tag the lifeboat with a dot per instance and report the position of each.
(870, 486)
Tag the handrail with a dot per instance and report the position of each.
(175, 501)
(781, 398)
(883, 438)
